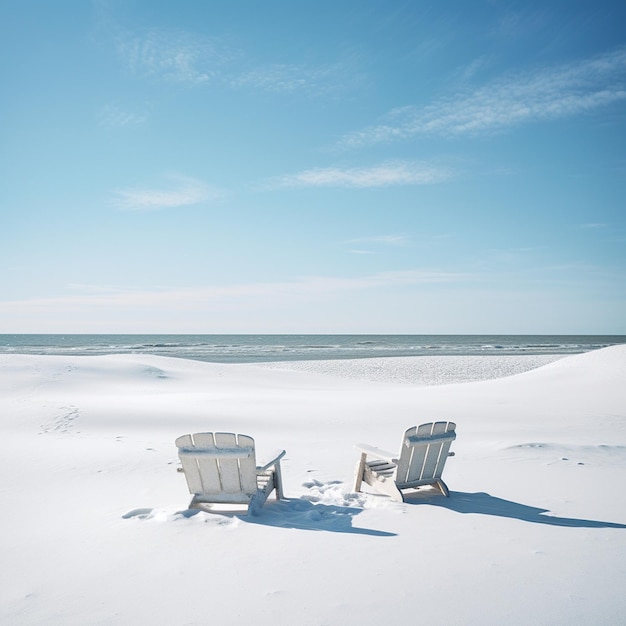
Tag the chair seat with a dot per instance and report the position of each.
(382, 468)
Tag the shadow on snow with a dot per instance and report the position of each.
(485, 504)
(305, 515)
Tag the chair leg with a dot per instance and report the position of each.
(389, 488)
(360, 468)
(443, 488)
(278, 481)
(257, 502)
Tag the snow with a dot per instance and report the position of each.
(95, 528)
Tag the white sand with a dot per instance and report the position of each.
(94, 529)
(421, 370)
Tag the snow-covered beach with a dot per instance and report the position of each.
(95, 528)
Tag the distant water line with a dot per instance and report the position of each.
(268, 348)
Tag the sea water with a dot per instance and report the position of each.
(268, 348)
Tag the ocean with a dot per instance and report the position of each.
(269, 348)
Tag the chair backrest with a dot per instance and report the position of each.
(219, 467)
(424, 451)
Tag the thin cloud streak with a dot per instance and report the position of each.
(389, 240)
(383, 175)
(174, 56)
(183, 192)
(226, 296)
(183, 57)
(291, 78)
(552, 93)
(112, 116)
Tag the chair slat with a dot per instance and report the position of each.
(228, 466)
(418, 441)
(190, 466)
(247, 466)
(207, 466)
(232, 453)
(432, 451)
(417, 455)
(445, 449)
(406, 458)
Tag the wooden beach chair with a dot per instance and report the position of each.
(221, 468)
(421, 460)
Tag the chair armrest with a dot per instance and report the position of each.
(278, 455)
(377, 453)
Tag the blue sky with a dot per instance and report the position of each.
(313, 167)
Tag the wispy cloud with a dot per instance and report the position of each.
(112, 116)
(549, 93)
(95, 297)
(385, 174)
(376, 242)
(184, 57)
(173, 55)
(387, 240)
(291, 78)
(469, 71)
(525, 23)
(182, 191)
(268, 306)
(593, 225)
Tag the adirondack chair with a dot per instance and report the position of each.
(221, 468)
(421, 460)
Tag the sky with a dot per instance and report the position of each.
(356, 166)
